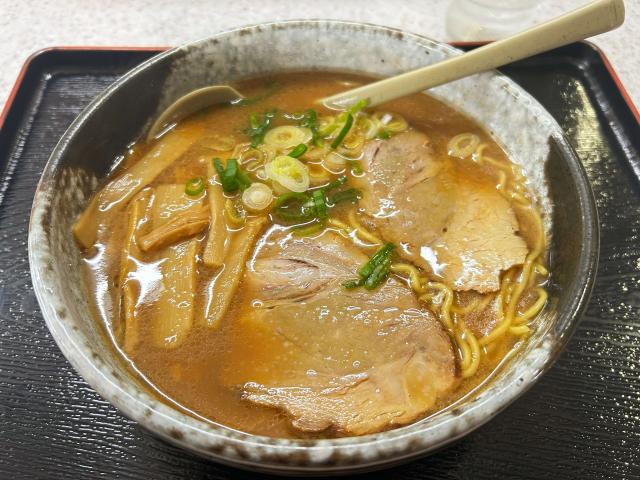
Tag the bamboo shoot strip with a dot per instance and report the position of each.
(120, 190)
(227, 282)
(214, 248)
(128, 333)
(174, 308)
(180, 227)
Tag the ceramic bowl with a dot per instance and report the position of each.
(89, 150)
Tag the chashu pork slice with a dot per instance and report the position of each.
(347, 361)
(459, 228)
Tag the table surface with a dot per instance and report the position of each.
(28, 26)
(580, 420)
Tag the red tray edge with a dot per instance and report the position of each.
(25, 67)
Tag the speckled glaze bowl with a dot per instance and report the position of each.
(88, 152)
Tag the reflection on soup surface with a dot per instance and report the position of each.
(292, 271)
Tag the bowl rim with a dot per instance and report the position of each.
(276, 451)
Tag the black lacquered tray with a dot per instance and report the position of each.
(582, 420)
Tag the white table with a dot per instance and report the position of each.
(27, 26)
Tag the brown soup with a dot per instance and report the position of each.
(330, 274)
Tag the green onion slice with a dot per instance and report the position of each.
(309, 229)
(351, 284)
(319, 203)
(232, 178)
(243, 179)
(217, 164)
(383, 135)
(348, 195)
(258, 127)
(310, 120)
(289, 196)
(383, 253)
(194, 186)
(343, 133)
(335, 183)
(356, 168)
(378, 275)
(299, 150)
(228, 180)
(294, 207)
(356, 107)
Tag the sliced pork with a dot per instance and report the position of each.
(354, 361)
(461, 230)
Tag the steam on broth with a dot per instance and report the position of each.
(287, 270)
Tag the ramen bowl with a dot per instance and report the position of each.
(89, 150)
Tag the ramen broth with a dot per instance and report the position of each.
(161, 294)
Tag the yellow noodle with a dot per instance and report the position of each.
(446, 302)
(472, 368)
(494, 163)
(505, 289)
(250, 154)
(354, 141)
(541, 269)
(502, 181)
(317, 174)
(476, 305)
(519, 287)
(534, 309)
(252, 165)
(519, 330)
(463, 145)
(464, 350)
(516, 197)
(412, 272)
(334, 222)
(361, 231)
(466, 343)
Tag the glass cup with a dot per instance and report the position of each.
(473, 20)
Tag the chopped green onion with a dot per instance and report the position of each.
(343, 133)
(217, 164)
(356, 168)
(294, 207)
(253, 121)
(383, 253)
(258, 127)
(335, 184)
(194, 186)
(297, 206)
(383, 135)
(299, 150)
(378, 275)
(310, 120)
(375, 270)
(328, 130)
(301, 214)
(232, 178)
(348, 195)
(309, 229)
(356, 107)
(351, 284)
(231, 171)
(243, 179)
(289, 196)
(320, 203)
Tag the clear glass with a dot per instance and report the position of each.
(472, 20)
